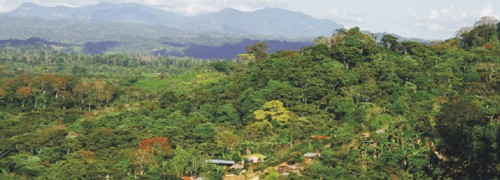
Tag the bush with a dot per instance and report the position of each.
(70, 118)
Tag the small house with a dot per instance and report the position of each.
(287, 168)
(255, 158)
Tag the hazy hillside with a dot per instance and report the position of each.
(93, 38)
(262, 22)
(272, 21)
(105, 12)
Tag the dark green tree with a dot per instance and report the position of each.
(468, 141)
(390, 41)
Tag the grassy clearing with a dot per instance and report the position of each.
(184, 81)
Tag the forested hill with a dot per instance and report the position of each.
(345, 107)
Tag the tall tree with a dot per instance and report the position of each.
(260, 50)
(352, 47)
(24, 93)
(149, 152)
(389, 41)
(3, 93)
(273, 110)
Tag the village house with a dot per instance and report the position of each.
(286, 168)
(255, 158)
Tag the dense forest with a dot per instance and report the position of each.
(356, 108)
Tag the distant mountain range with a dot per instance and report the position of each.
(273, 21)
(137, 29)
(128, 38)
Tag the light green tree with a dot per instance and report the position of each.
(273, 110)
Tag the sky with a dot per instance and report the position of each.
(427, 19)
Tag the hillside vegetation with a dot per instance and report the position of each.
(394, 110)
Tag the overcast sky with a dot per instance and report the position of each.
(428, 19)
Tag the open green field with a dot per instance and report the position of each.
(156, 82)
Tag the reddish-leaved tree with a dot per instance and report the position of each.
(148, 150)
(24, 93)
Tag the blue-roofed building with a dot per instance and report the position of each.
(220, 162)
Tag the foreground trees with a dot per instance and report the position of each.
(468, 141)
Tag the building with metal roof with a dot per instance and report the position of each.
(220, 162)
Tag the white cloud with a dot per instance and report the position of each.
(3, 7)
(348, 19)
(445, 22)
(487, 11)
(450, 19)
(412, 13)
(464, 14)
(439, 14)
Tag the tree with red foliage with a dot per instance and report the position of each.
(155, 145)
(488, 46)
(149, 151)
(24, 93)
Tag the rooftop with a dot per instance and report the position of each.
(311, 154)
(237, 166)
(218, 161)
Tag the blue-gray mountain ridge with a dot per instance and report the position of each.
(271, 21)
